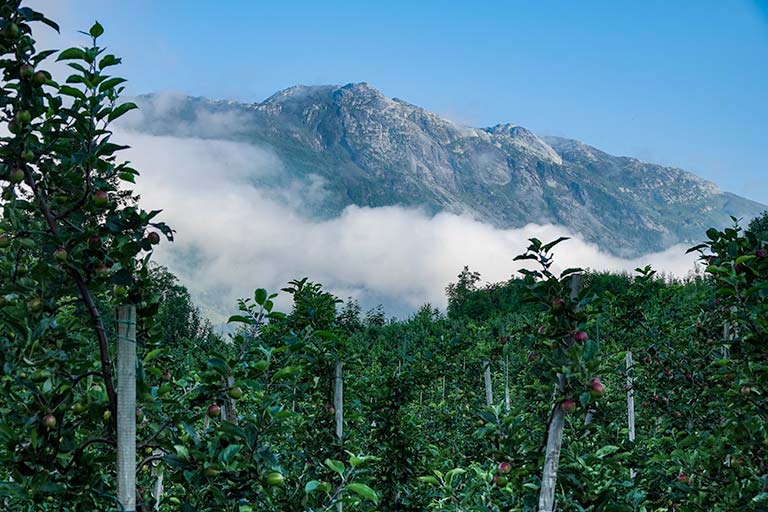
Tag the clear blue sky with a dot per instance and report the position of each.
(682, 83)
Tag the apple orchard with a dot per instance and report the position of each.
(578, 391)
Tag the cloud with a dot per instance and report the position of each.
(233, 236)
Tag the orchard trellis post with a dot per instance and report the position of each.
(555, 434)
(126, 407)
(506, 384)
(338, 405)
(630, 403)
(488, 383)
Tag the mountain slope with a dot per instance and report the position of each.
(370, 150)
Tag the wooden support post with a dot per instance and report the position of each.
(507, 404)
(488, 384)
(126, 408)
(630, 403)
(338, 405)
(230, 408)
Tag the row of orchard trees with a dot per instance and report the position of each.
(517, 400)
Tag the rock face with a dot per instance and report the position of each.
(370, 150)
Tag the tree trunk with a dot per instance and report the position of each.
(126, 407)
(552, 455)
(555, 432)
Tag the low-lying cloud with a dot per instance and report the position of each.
(233, 236)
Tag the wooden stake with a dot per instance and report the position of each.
(488, 384)
(630, 403)
(506, 383)
(338, 405)
(126, 408)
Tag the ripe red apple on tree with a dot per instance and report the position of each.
(214, 411)
(166, 375)
(568, 405)
(100, 198)
(153, 238)
(581, 336)
(596, 387)
(558, 304)
(504, 467)
(330, 409)
(49, 421)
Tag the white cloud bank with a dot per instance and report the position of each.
(233, 237)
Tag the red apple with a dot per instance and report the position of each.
(39, 78)
(49, 421)
(166, 375)
(214, 411)
(682, 478)
(596, 387)
(100, 198)
(558, 304)
(153, 238)
(504, 467)
(761, 253)
(568, 405)
(581, 336)
(60, 254)
(745, 390)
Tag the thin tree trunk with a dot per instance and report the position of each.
(555, 432)
(488, 384)
(126, 407)
(552, 455)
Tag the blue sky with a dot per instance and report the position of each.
(682, 83)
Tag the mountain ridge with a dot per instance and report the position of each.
(371, 150)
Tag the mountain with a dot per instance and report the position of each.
(365, 149)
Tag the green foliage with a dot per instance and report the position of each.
(249, 423)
